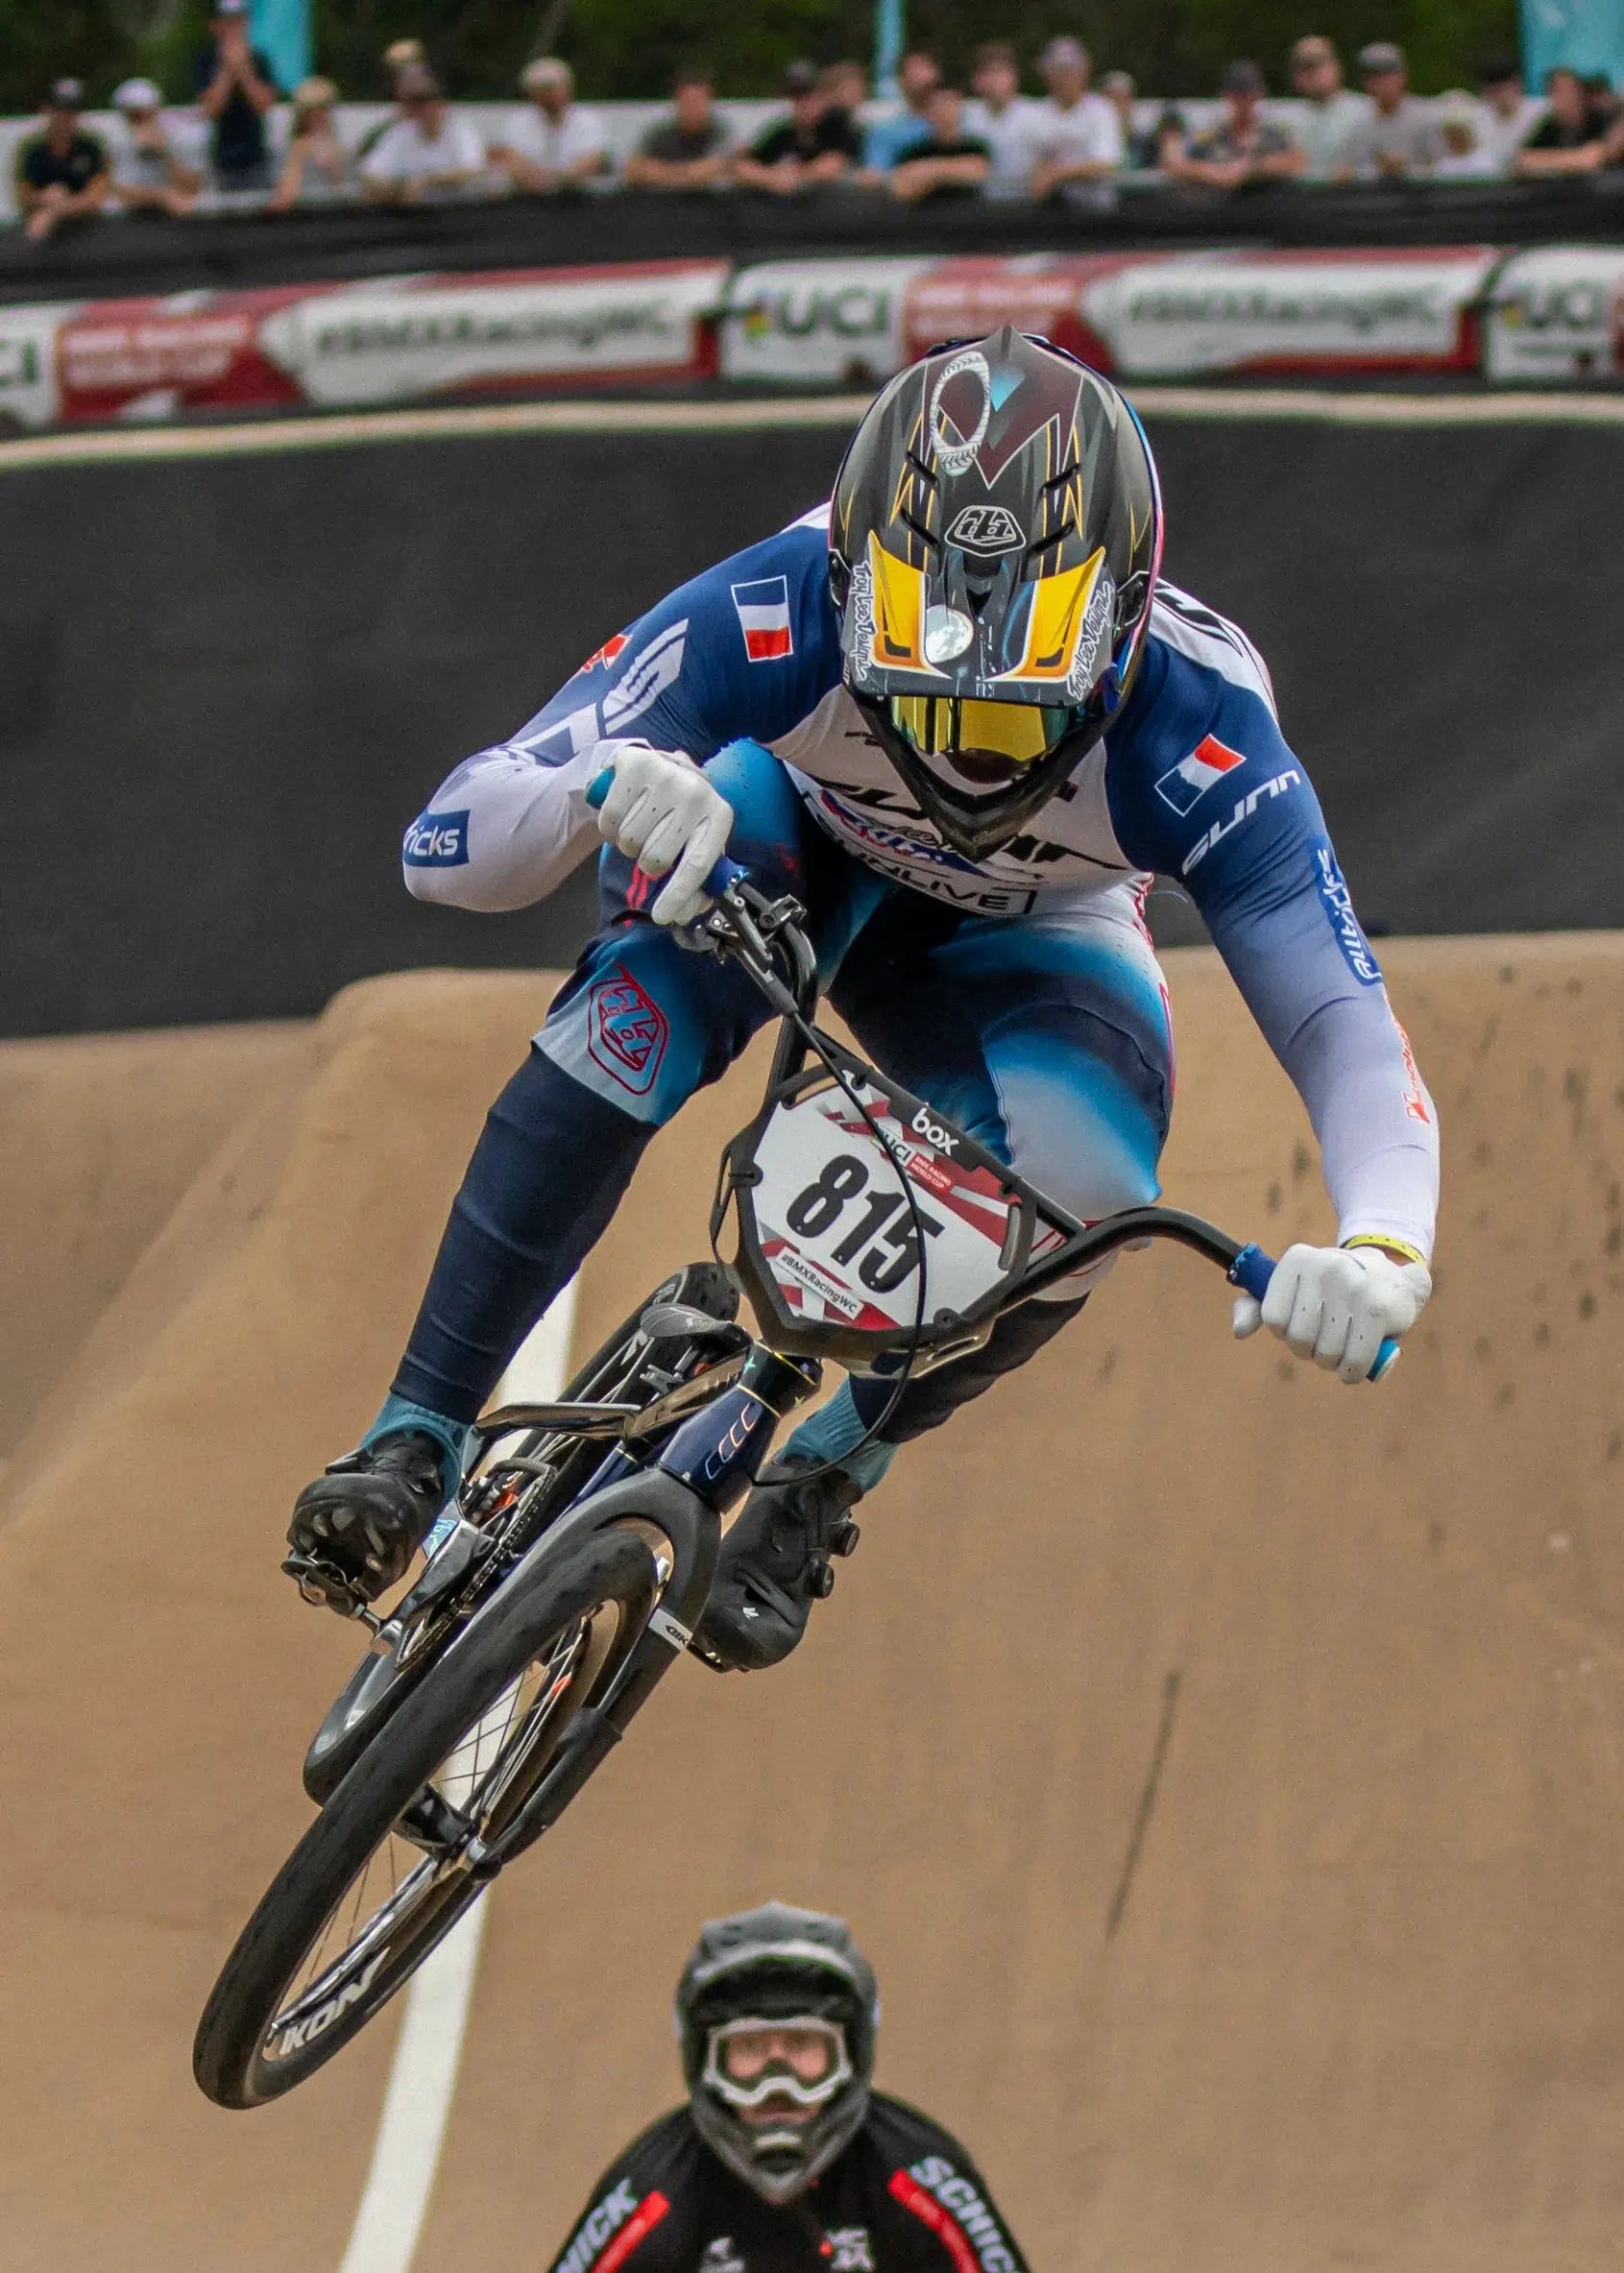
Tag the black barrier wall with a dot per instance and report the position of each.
(229, 683)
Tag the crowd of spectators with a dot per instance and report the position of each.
(242, 140)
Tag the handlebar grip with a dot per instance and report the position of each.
(1252, 1271)
(725, 872)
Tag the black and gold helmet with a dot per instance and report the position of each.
(994, 542)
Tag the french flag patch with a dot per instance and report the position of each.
(1194, 775)
(764, 618)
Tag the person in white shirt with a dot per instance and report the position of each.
(149, 171)
(1078, 135)
(1003, 118)
(1459, 119)
(428, 151)
(1504, 112)
(1331, 111)
(1398, 137)
(552, 144)
(320, 167)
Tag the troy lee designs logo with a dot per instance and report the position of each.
(626, 1032)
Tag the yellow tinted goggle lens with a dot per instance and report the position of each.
(938, 727)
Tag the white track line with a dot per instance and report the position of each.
(422, 2076)
(270, 437)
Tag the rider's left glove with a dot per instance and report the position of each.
(664, 815)
(1336, 1305)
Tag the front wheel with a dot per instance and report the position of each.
(391, 1863)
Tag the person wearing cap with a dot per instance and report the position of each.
(1504, 112)
(1330, 111)
(319, 168)
(553, 144)
(1078, 135)
(904, 128)
(783, 2158)
(429, 151)
(1241, 145)
(235, 88)
(688, 149)
(814, 143)
(1399, 137)
(149, 172)
(59, 174)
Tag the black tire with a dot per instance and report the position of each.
(234, 2058)
(379, 1686)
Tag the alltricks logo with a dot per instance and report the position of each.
(437, 840)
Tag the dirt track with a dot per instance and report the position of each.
(1356, 2001)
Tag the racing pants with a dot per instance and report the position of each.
(1044, 1036)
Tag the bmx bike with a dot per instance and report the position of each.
(572, 1568)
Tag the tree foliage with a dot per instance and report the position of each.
(630, 47)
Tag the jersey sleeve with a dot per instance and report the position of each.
(742, 652)
(1203, 787)
(637, 2216)
(945, 2218)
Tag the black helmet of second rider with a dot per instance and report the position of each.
(994, 544)
(776, 2013)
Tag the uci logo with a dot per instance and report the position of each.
(943, 1139)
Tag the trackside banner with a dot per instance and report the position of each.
(1554, 314)
(818, 323)
(1319, 312)
(1557, 314)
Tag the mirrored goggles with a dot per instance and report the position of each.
(989, 736)
(750, 2061)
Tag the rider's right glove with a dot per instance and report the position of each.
(664, 815)
(1336, 1305)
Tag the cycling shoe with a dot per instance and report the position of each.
(355, 1530)
(775, 1564)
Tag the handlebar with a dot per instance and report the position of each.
(1245, 1265)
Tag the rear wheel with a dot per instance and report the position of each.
(385, 1871)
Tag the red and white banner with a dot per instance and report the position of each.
(1552, 314)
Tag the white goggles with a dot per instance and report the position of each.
(751, 2061)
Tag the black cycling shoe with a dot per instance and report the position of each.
(355, 1530)
(775, 1564)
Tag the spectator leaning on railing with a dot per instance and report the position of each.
(1502, 118)
(150, 173)
(1145, 147)
(236, 87)
(1003, 118)
(1241, 146)
(554, 145)
(429, 151)
(1577, 134)
(691, 149)
(1398, 135)
(60, 174)
(1332, 109)
(1466, 154)
(319, 168)
(815, 143)
(892, 137)
(1077, 135)
(949, 162)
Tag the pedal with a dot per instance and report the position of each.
(327, 1587)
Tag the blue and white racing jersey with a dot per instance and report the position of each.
(1193, 781)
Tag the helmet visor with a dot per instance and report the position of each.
(984, 741)
(752, 2061)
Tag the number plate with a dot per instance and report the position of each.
(838, 1234)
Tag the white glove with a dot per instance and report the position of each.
(1337, 1305)
(664, 815)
